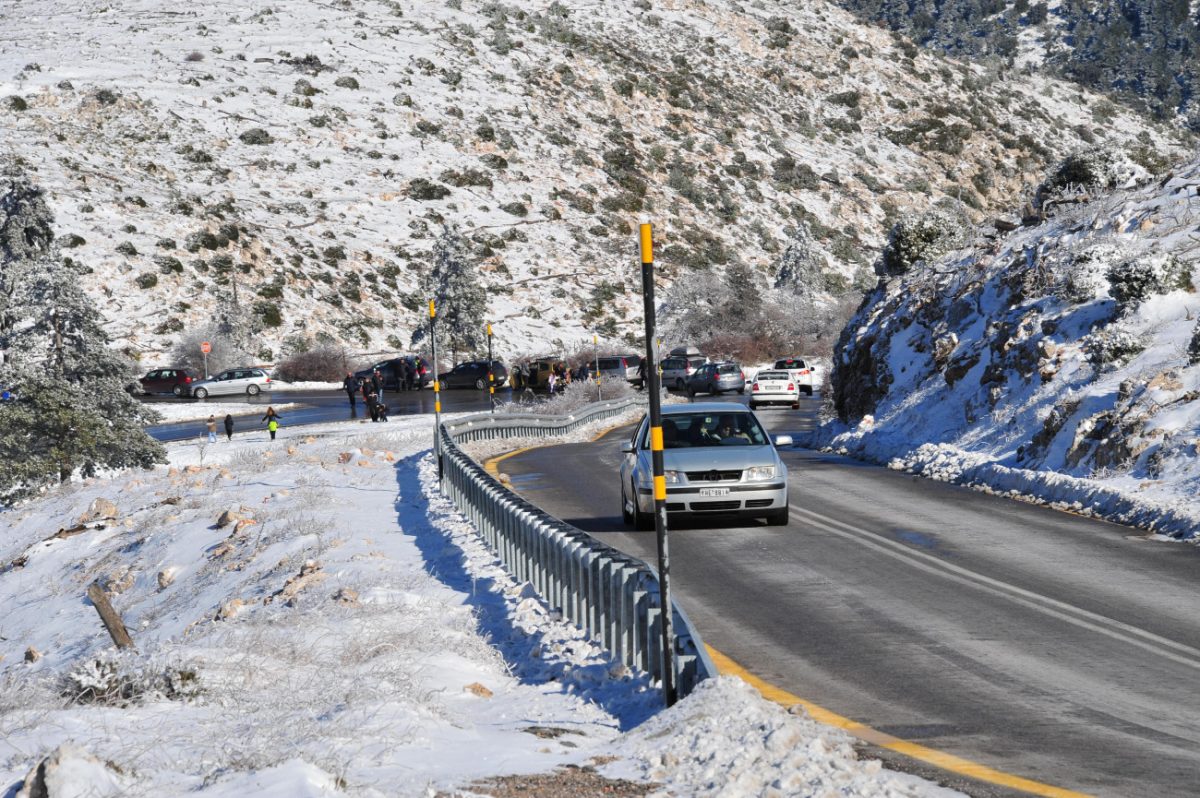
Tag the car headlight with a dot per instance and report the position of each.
(760, 473)
(673, 477)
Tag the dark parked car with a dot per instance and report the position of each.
(474, 374)
(715, 378)
(176, 381)
(390, 371)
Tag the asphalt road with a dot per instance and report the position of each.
(316, 407)
(1041, 644)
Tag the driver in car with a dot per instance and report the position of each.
(729, 432)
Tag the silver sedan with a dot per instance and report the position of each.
(717, 459)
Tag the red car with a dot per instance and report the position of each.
(176, 381)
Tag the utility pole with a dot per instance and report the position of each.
(437, 397)
(656, 460)
(596, 355)
(491, 376)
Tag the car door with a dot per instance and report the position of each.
(150, 383)
(235, 382)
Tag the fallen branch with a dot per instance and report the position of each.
(112, 621)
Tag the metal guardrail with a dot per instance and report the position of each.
(613, 597)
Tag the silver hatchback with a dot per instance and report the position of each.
(717, 459)
(715, 378)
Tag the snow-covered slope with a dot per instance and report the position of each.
(1060, 361)
(300, 158)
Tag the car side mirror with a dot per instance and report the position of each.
(627, 447)
(783, 440)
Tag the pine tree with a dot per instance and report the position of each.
(801, 264)
(453, 283)
(72, 412)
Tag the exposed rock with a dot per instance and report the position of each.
(475, 688)
(346, 457)
(166, 577)
(100, 509)
(310, 574)
(69, 772)
(230, 609)
(228, 517)
(943, 347)
(242, 524)
(1166, 381)
(32, 654)
(959, 366)
(364, 463)
(347, 595)
(117, 583)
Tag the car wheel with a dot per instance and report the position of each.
(795, 405)
(626, 516)
(200, 393)
(642, 522)
(252, 390)
(480, 384)
(753, 406)
(778, 517)
(177, 390)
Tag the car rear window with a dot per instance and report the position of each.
(610, 363)
(728, 368)
(773, 375)
(790, 363)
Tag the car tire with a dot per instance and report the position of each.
(626, 516)
(252, 390)
(177, 390)
(753, 405)
(778, 517)
(200, 393)
(796, 406)
(642, 522)
(480, 384)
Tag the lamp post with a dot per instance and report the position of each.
(491, 376)
(656, 461)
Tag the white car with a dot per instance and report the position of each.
(717, 460)
(250, 381)
(774, 388)
(801, 372)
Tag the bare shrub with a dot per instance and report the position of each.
(225, 352)
(321, 364)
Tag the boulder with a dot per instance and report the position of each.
(230, 609)
(100, 509)
(166, 577)
(345, 457)
(32, 654)
(475, 688)
(71, 772)
(228, 517)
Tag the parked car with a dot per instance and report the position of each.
(174, 381)
(774, 388)
(390, 371)
(677, 368)
(621, 367)
(474, 374)
(250, 381)
(801, 372)
(539, 371)
(717, 459)
(715, 378)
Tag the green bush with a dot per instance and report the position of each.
(147, 280)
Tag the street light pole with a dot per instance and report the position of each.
(656, 460)
(491, 376)
(437, 397)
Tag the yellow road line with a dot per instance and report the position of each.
(940, 759)
(490, 465)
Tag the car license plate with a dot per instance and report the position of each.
(714, 491)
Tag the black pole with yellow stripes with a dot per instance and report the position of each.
(652, 387)
(437, 397)
(491, 376)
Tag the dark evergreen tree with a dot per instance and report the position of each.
(72, 413)
(453, 283)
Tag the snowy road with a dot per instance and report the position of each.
(1049, 647)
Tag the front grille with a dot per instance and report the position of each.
(676, 507)
(715, 506)
(713, 476)
(758, 503)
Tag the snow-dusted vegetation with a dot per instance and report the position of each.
(298, 161)
(1058, 361)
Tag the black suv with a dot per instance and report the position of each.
(474, 374)
(390, 371)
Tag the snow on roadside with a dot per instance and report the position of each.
(200, 411)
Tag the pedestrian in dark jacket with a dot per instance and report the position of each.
(272, 418)
(373, 405)
(229, 426)
(406, 375)
(377, 382)
(350, 386)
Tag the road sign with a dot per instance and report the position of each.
(205, 347)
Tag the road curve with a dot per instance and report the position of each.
(1051, 647)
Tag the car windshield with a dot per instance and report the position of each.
(692, 430)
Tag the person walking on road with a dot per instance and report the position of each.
(377, 383)
(211, 424)
(229, 426)
(272, 418)
(350, 386)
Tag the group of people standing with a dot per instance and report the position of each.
(371, 390)
(271, 419)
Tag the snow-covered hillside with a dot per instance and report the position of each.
(1060, 361)
(300, 158)
(343, 631)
